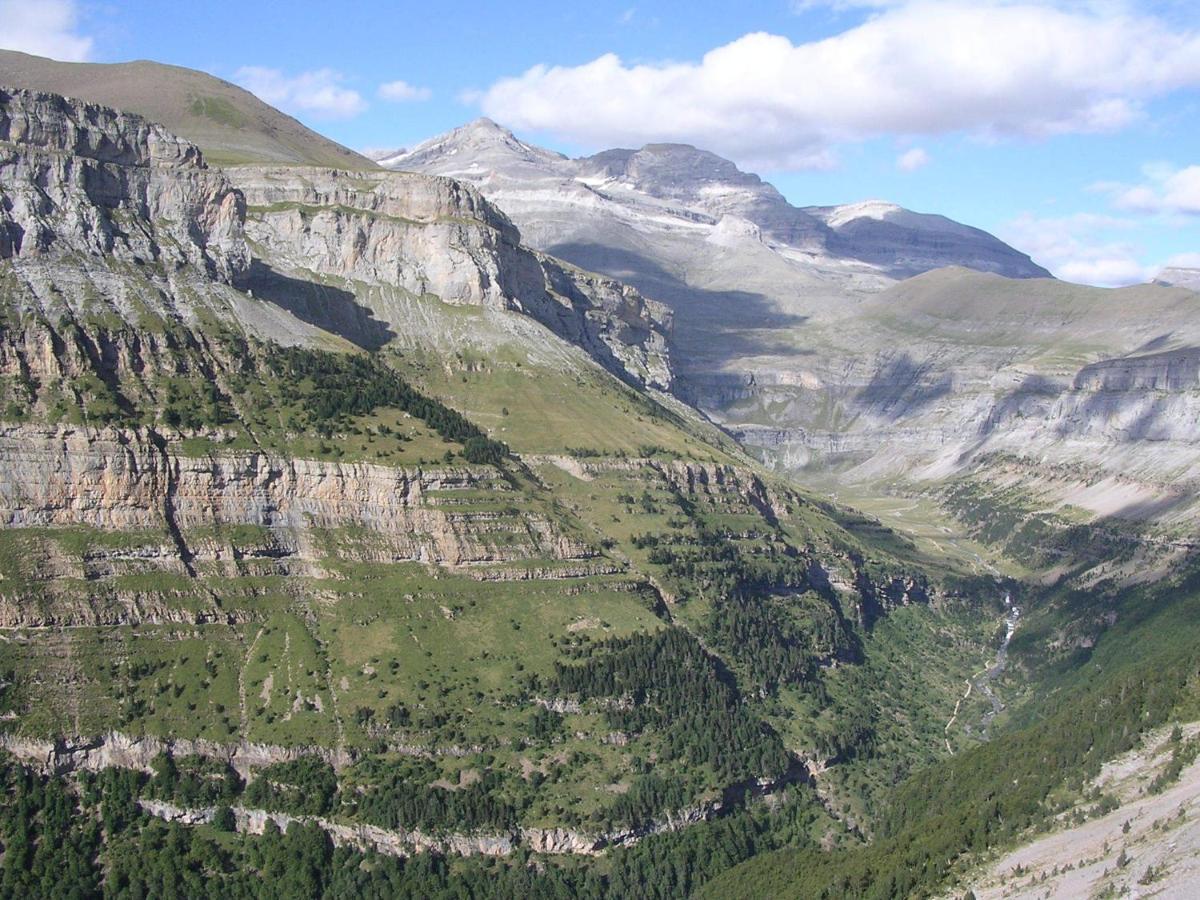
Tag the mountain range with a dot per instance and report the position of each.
(485, 523)
(877, 350)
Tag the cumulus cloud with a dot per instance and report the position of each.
(923, 68)
(913, 159)
(403, 92)
(1165, 190)
(45, 28)
(318, 91)
(1079, 248)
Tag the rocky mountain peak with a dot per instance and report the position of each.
(669, 169)
(689, 184)
(1179, 276)
(479, 144)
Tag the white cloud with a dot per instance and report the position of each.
(914, 159)
(43, 28)
(1183, 261)
(803, 6)
(1079, 248)
(923, 68)
(1166, 190)
(403, 92)
(318, 91)
(626, 17)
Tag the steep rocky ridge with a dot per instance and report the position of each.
(86, 179)
(126, 189)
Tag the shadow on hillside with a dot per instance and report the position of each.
(333, 309)
(722, 326)
(902, 387)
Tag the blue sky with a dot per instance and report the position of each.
(1067, 127)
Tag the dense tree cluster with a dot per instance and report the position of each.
(750, 622)
(89, 839)
(331, 386)
(402, 795)
(305, 786)
(194, 781)
(668, 682)
(775, 648)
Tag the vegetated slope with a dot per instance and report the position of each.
(227, 122)
(268, 552)
(1112, 697)
(1149, 841)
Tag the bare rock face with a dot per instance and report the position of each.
(86, 179)
(435, 236)
(132, 481)
(1179, 276)
(139, 752)
(697, 188)
(91, 183)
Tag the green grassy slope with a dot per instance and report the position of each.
(228, 123)
(525, 687)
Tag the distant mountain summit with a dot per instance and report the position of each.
(480, 145)
(882, 348)
(701, 188)
(1178, 276)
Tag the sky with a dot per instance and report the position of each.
(1069, 128)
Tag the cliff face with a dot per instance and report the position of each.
(181, 512)
(83, 178)
(85, 187)
(433, 236)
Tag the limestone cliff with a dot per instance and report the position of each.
(83, 178)
(179, 510)
(84, 189)
(434, 236)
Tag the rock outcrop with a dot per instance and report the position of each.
(85, 187)
(437, 237)
(116, 750)
(1179, 276)
(133, 480)
(85, 179)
